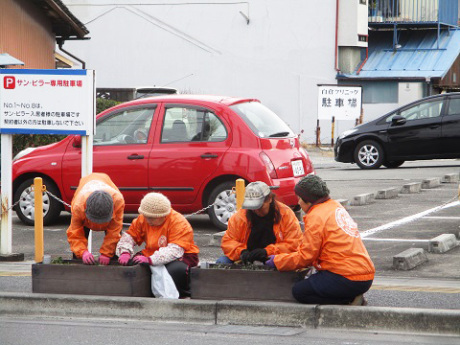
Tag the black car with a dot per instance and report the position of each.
(425, 129)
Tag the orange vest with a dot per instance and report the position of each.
(331, 241)
(287, 232)
(176, 229)
(75, 232)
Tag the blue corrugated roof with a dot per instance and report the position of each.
(420, 55)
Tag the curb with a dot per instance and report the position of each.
(232, 313)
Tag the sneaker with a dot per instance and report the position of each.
(359, 300)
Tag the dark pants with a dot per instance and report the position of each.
(326, 287)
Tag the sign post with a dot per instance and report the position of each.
(338, 102)
(36, 101)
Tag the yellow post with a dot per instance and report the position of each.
(38, 199)
(240, 188)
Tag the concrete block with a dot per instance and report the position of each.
(344, 202)
(411, 188)
(431, 183)
(388, 193)
(410, 320)
(132, 308)
(216, 239)
(409, 259)
(362, 199)
(265, 314)
(442, 243)
(450, 178)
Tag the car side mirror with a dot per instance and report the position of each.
(76, 141)
(398, 120)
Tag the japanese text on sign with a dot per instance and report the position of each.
(342, 102)
(47, 101)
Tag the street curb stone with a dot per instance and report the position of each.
(231, 312)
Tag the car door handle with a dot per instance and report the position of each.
(135, 156)
(434, 126)
(209, 155)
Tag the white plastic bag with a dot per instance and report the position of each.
(162, 283)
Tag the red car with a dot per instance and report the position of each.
(190, 148)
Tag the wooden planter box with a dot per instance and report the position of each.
(236, 283)
(79, 279)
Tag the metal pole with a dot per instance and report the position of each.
(318, 133)
(38, 198)
(6, 233)
(332, 131)
(240, 189)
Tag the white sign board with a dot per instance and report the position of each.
(342, 102)
(47, 101)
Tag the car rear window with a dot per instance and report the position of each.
(262, 121)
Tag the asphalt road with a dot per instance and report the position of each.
(79, 332)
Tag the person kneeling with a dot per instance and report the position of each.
(332, 244)
(168, 239)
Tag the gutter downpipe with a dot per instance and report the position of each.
(61, 43)
(336, 65)
(364, 61)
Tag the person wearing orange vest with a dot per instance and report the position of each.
(262, 227)
(168, 239)
(96, 205)
(332, 245)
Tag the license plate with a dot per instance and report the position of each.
(297, 168)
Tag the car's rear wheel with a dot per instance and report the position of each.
(224, 201)
(25, 209)
(393, 164)
(368, 154)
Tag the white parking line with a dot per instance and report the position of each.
(407, 219)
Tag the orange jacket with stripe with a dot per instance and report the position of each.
(75, 232)
(176, 229)
(331, 241)
(287, 232)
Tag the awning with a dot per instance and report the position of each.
(8, 60)
(420, 54)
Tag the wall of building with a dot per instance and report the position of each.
(279, 57)
(25, 33)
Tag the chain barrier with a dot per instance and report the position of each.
(55, 197)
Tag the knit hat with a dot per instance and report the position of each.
(311, 188)
(155, 205)
(99, 207)
(255, 195)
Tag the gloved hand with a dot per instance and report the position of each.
(141, 259)
(104, 260)
(271, 261)
(258, 254)
(88, 258)
(244, 256)
(123, 259)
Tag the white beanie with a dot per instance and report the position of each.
(155, 205)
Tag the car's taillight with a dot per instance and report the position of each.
(269, 165)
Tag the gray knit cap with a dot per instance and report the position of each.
(311, 188)
(99, 207)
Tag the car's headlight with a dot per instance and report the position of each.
(24, 152)
(347, 133)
